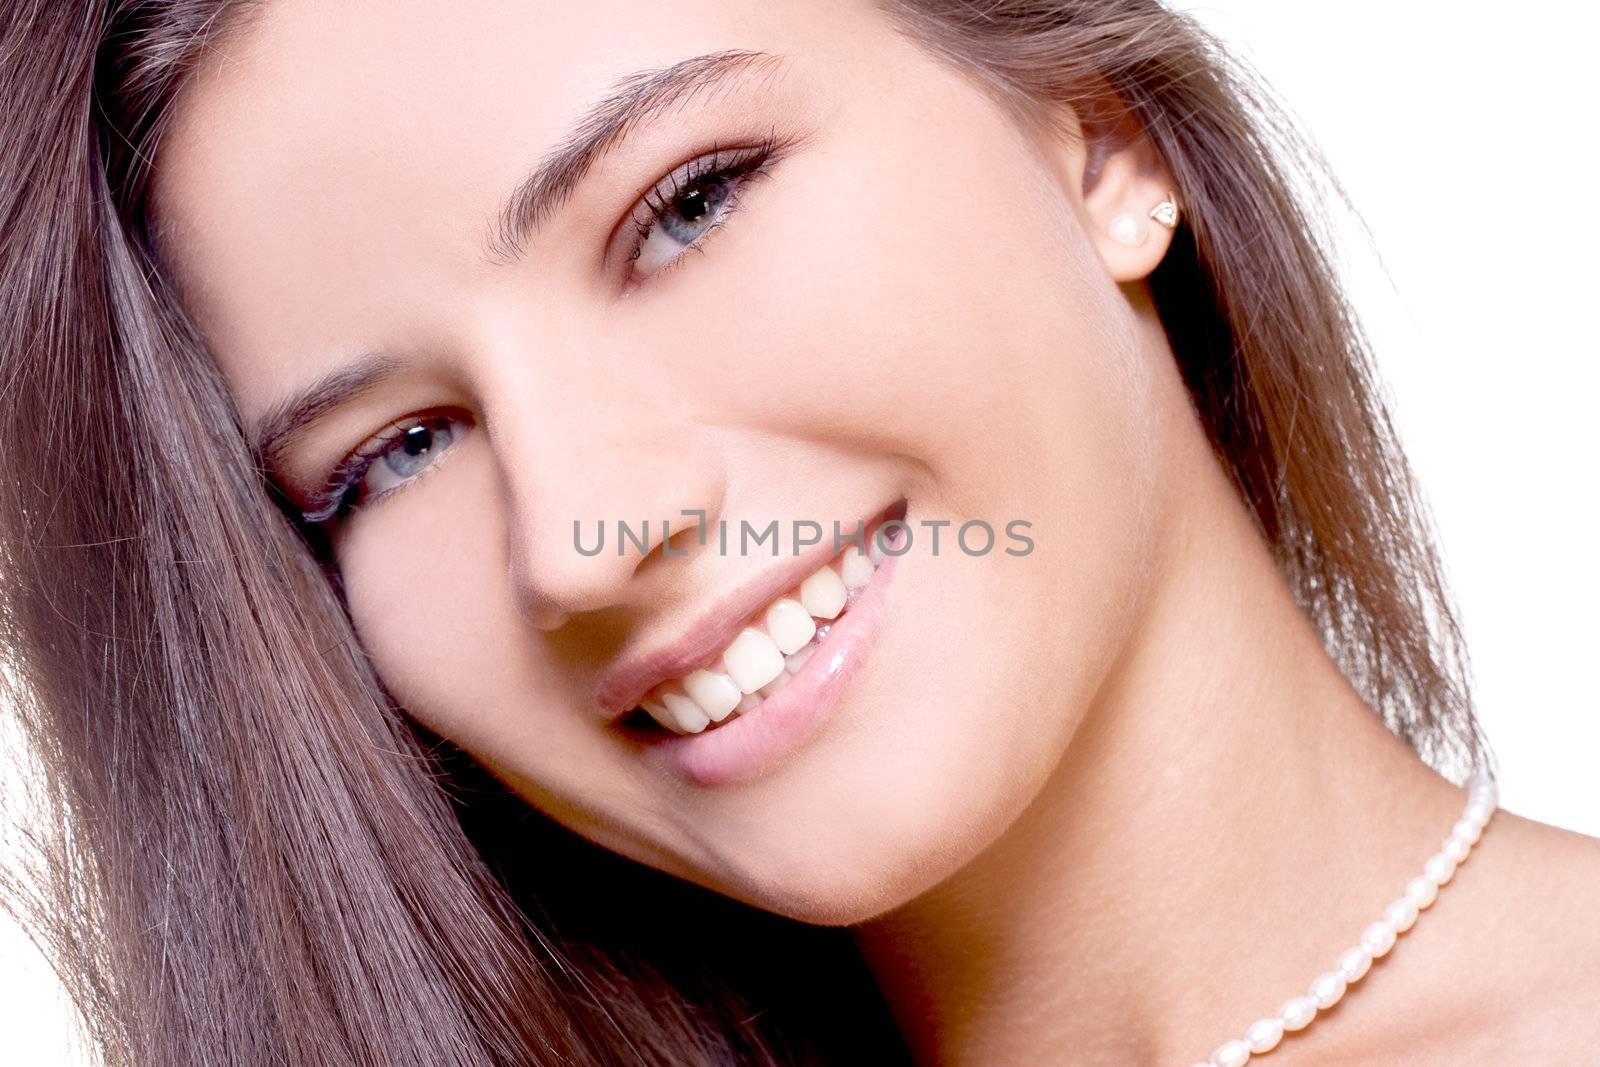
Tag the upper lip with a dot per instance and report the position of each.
(625, 682)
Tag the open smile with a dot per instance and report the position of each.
(746, 706)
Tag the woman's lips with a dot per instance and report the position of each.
(754, 741)
(720, 639)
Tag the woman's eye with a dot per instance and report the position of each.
(678, 214)
(407, 455)
(394, 460)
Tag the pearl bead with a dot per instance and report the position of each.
(1297, 1013)
(1401, 914)
(1264, 1035)
(1231, 1054)
(1421, 891)
(1355, 963)
(1327, 989)
(1129, 229)
(1378, 939)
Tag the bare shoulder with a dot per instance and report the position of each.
(1554, 874)
(1504, 968)
(1533, 894)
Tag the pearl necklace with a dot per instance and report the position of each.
(1376, 940)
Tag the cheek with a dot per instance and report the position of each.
(928, 294)
(932, 297)
(425, 580)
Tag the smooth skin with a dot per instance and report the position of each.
(1103, 804)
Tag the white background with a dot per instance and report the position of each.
(1464, 134)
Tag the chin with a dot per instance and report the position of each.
(868, 827)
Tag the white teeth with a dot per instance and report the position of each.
(753, 660)
(857, 568)
(686, 714)
(875, 552)
(773, 686)
(824, 594)
(789, 625)
(757, 664)
(658, 711)
(793, 663)
(716, 693)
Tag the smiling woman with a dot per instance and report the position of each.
(1009, 550)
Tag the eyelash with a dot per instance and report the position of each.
(337, 498)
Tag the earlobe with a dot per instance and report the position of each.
(1133, 213)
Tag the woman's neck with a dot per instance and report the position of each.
(1227, 819)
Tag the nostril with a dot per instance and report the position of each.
(683, 539)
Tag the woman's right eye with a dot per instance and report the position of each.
(389, 463)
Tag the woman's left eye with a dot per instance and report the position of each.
(394, 460)
(677, 214)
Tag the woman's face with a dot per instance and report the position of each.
(889, 293)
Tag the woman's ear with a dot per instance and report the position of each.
(1124, 193)
(1133, 211)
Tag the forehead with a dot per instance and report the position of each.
(337, 165)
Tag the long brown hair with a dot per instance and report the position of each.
(250, 855)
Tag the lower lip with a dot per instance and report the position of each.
(757, 741)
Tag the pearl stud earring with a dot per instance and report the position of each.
(1129, 229)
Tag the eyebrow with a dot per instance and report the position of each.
(632, 100)
(287, 419)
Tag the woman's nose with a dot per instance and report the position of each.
(591, 534)
(593, 488)
(590, 434)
